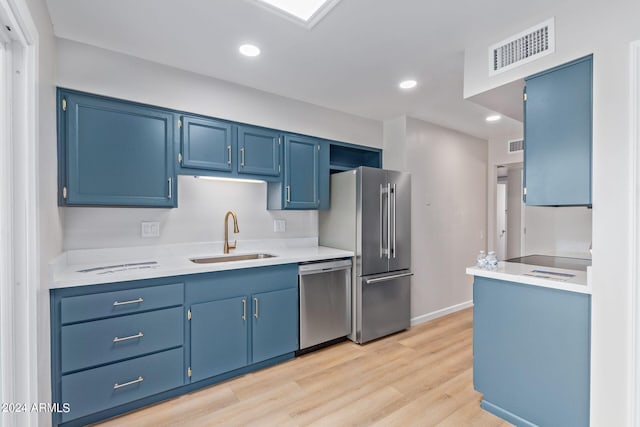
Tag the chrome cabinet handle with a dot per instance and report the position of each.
(170, 187)
(132, 337)
(133, 301)
(242, 157)
(228, 154)
(288, 193)
(244, 309)
(384, 279)
(395, 195)
(117, 386)
(257, 313)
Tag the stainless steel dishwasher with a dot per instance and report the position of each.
(325, 301)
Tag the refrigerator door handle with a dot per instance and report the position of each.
(388, 220)
(395, 195)
(387, 278)
(383, 250)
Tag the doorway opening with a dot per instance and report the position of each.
(510, 224)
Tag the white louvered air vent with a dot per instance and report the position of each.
(524, 47)
(515, 145)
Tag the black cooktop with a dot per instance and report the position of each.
(554, 261)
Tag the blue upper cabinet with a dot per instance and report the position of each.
(344, 157)
(259, 151)
(114, 153)
(558, 135)
(301, 172)
(206, 144)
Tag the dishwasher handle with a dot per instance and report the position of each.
(324, 267)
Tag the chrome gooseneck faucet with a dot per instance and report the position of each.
(227, 246)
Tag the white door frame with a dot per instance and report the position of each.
(634, 120)
(6, 263)
(20, 281)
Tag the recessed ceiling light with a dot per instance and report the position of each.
(301, 9)
(249, 50)
(493, 118)
(407, 84)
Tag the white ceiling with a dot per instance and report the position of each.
(351, 61)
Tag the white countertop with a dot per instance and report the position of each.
(146, 262)
(523, 273)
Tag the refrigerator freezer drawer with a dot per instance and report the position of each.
(384, 305)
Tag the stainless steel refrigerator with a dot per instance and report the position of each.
(370, 214)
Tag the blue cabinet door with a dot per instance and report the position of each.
(275, 324)
(206, 144)
(301, 172)
(557, 133)
(117, 153)
(258, 151)
(219, 337)
(531, 352)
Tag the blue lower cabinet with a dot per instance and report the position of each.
(98, 389)
(241, 318)
(89, 344)
(218, 337)
(120, 346)
(127, 301)
(275, 325)
(531, 353)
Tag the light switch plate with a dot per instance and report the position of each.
(150, 229)
(279, 225)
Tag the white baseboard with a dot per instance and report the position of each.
(439, 313)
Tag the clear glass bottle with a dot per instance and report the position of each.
(492, 260)
(481, 260)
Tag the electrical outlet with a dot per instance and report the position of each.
(150, 229)
(279, 225)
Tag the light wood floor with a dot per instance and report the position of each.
(420, 377)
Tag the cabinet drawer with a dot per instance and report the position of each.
(97, 389)
(88, 344)
(108, 304)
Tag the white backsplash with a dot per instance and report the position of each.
(202, 205)
(561, 231)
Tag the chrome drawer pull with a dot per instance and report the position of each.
(132, 337)
(133, 301)
(117, 386)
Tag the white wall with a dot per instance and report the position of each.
(202, 205)
(394, 137)
(448, 213)
(606, 30)
(91, 69)
(50, 220)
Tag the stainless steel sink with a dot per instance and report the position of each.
(228, 258)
